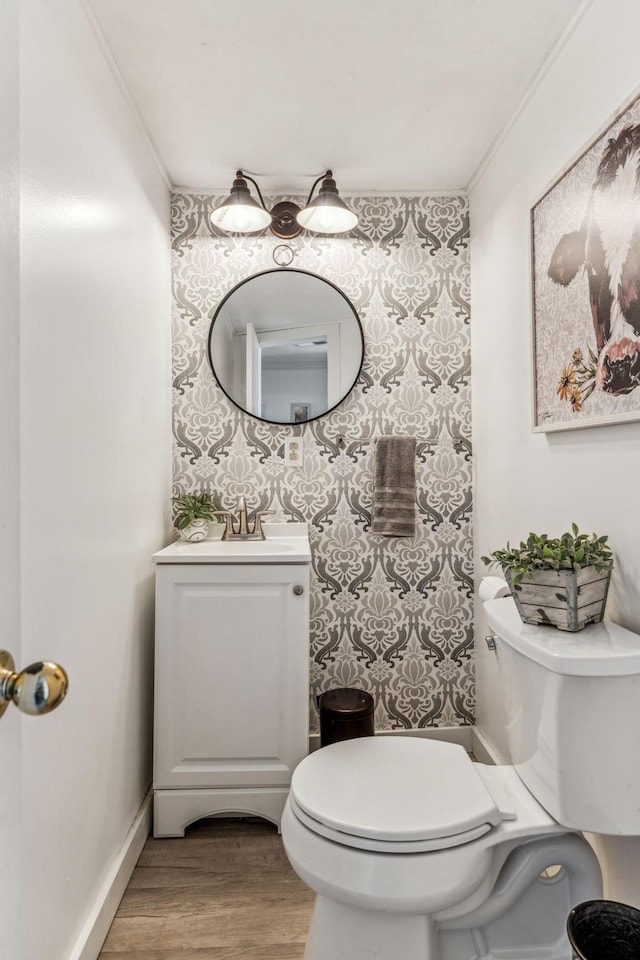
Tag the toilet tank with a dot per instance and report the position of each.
(572, 704)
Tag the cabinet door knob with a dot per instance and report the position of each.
(298, 590)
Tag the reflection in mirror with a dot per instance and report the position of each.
(286, 346)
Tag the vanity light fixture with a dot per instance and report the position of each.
(327, 213)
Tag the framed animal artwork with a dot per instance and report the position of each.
(586, 285)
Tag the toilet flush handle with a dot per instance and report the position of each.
(490, 641)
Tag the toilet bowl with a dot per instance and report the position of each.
(415, 852)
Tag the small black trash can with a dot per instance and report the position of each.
(604, 930)
(345, 713)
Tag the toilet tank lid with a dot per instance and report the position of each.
(599, 650)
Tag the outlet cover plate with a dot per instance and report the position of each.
(293, 451)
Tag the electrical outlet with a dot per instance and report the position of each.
(293, 451)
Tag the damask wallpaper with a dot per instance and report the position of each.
(392, 616)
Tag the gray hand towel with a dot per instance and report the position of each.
(394, 487)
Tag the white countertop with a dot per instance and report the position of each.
(283, 543)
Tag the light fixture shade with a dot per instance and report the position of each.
(328, 213)
(240, 213)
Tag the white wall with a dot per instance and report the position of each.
(222, 349)
(284, 385)
(526, 481)
(95, 458)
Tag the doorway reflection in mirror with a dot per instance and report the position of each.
(282, 334)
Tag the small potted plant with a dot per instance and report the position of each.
(561, 581)
(193, 513)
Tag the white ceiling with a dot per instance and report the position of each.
(393, 95)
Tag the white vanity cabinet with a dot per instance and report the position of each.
(231, 677)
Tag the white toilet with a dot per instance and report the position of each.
(417, 853)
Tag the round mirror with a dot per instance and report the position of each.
(286, 346)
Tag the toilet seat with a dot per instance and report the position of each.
(393, 794)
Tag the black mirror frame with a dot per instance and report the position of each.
(285, 423)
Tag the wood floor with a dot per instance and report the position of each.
(224, 892)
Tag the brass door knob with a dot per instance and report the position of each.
(38, 689)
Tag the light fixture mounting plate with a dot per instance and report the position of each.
(283, 220)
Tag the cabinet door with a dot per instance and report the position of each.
(232, 674)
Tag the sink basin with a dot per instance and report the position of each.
(243, 548)
(284, 543)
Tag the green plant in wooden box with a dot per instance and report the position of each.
(561, 581)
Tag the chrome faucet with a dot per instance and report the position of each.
(241, 531)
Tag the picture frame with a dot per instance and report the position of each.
(300, 412)
(585, 255)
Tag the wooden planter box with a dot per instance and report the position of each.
(561, 598)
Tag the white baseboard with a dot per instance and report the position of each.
(96, 926)
(483, 750)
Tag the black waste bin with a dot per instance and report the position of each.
(604, 930)
(345, 713)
